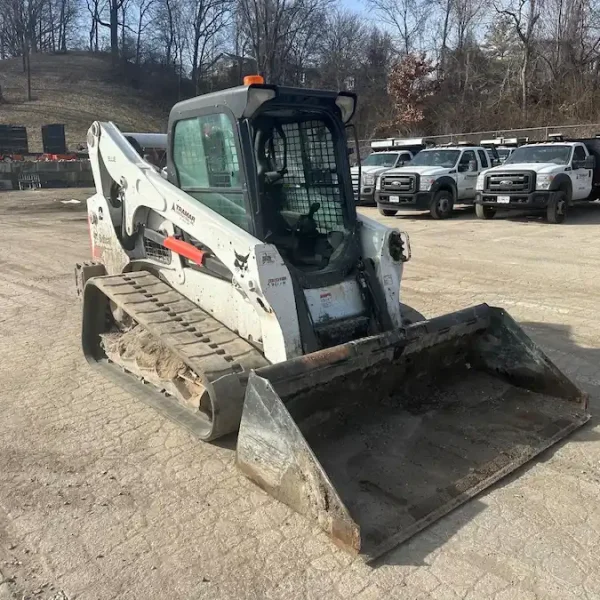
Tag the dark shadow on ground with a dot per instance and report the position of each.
(584, 214)
(557, 342)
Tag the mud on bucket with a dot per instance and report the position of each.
(378, 438)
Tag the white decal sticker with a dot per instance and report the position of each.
(277, 281)
(326, 300)
(184, 214)
(388, 280)
(266, 258)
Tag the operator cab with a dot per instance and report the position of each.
(274, 162)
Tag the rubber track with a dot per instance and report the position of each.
(208, 348)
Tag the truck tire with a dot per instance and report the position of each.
(442, 205)
(558, 205)
(387, 212)
(410, 315)
(484, 212)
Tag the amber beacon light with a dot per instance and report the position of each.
(252, 79)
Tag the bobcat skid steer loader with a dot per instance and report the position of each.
(239, 291)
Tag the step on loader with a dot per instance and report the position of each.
(238, 290)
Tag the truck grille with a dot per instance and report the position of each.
(509, 182)
(355, 183)
(401, 184)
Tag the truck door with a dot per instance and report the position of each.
(581, 177)
(467, 177)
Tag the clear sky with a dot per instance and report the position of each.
(359, 6)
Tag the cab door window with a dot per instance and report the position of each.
(208, 167)
(578, 157)
(483, 158)
(468, 157)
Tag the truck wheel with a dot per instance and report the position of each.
(410, 315)
(386, 212)
(484, 212)
(557, 207)
(441, 205)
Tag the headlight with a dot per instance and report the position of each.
(425, 184)
(479, 184)
(543, 181)
(368, 180)
(378, 183)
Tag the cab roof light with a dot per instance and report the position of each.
(254, 80)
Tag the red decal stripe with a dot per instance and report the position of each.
(184, 249)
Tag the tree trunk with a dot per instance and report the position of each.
(524, 69)
(123, 31)
(444, 48)
(195, 78)
(52, 35)
(62, 41)
(28, 61)
(97, 17)
(138, 40)
(114, 31)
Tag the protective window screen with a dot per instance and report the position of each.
(205, 157)
(311, 173)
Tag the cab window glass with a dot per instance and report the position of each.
(207, 165)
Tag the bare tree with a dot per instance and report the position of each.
(207, 21)
(273, 28)
(341, 47)
(408, 19)
(143, 10)
(93, 7)
(524, 16)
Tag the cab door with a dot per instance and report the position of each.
(466, 177)
(581, 177)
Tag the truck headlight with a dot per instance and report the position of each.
(425, 184)
(480, 182)
(378, 183)
(543, 181)
(368, 180)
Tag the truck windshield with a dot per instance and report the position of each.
(503, 153)
(435, 158)
(555, 153)
(380, 159)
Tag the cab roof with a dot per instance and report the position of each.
(236, 99)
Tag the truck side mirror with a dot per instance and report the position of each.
(472, 166)
(589, 162)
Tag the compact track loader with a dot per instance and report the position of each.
(239, 291)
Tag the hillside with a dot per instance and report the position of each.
(74, 89)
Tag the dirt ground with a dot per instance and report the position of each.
(101, 498)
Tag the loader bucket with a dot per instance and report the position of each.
(378, 438)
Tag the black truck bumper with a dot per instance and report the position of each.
(418, 201)
(366, 197)
(528, 201)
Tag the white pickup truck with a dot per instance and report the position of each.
(548, 176)
(374, 165)
(385, 155)
(435, 180)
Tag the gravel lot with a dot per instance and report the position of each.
(101, 498)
